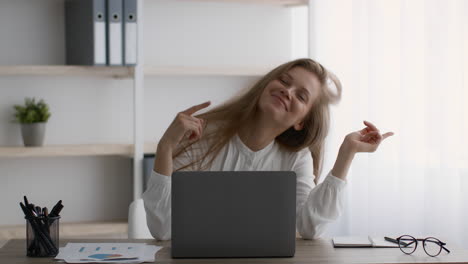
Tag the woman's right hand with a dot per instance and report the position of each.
(184, 125)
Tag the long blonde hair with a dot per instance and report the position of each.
(230, 116)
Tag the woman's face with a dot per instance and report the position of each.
(288, 99)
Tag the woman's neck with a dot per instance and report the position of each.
(258, 133)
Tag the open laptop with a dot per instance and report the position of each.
(233, 214)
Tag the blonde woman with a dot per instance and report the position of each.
(279, 124)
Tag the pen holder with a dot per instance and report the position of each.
(42, 236)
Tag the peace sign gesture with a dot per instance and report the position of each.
(184, 125)
(367, 139)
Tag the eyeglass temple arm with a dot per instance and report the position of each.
(442, 244)
(448, 251)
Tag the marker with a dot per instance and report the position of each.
(56, 209)
(26, 201)
(38, 210)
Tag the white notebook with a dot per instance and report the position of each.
(356, 241)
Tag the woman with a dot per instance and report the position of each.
(279, 124)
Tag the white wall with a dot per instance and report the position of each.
(99, 110)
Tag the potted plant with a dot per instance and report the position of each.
(33, 117)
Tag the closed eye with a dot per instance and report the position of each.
(302, 97)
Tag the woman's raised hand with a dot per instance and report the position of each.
(184, 125)
(367, 139)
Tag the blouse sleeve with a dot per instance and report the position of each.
(157, 201)
(316, 206)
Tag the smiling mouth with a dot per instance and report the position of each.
(282, 102)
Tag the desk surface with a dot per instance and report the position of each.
(307, 251)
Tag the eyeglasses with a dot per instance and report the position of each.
(432, 246)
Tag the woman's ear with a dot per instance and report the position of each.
(299, 126)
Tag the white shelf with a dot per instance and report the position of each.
(110, 229)
(120, 72)
(127, 72)
(267, 2)
(74, 150)
(205, 71)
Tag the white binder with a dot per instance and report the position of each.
(130, 18)
(99, 33)
(114, 30)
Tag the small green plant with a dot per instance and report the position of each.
(32, 112)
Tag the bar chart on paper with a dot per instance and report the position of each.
(107, 252)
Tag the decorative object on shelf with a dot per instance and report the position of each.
(33, 118)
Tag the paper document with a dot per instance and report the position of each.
(363, 241)
(107, 253)
(381, 242)
(352, 241)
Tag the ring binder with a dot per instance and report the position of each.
(130, 31)
(85, 35)
(114, 31)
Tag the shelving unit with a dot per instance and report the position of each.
(138, 147)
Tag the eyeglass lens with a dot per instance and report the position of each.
(432, 246)
(411, 244)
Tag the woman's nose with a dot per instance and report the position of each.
(286, 93)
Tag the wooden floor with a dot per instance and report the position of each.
(72, 230)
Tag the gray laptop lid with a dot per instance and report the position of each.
(233, 214)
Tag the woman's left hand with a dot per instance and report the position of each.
(367, 139)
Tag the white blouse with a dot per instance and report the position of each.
(316, 206)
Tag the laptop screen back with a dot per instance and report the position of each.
(233, 214)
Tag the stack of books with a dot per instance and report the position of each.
(364, 241)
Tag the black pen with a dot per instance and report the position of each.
(26, 202)
(45, 213)
(56, 209)
(38, 211)
(55, 212)
(395, 241)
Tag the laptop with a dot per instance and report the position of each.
(233, 214)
